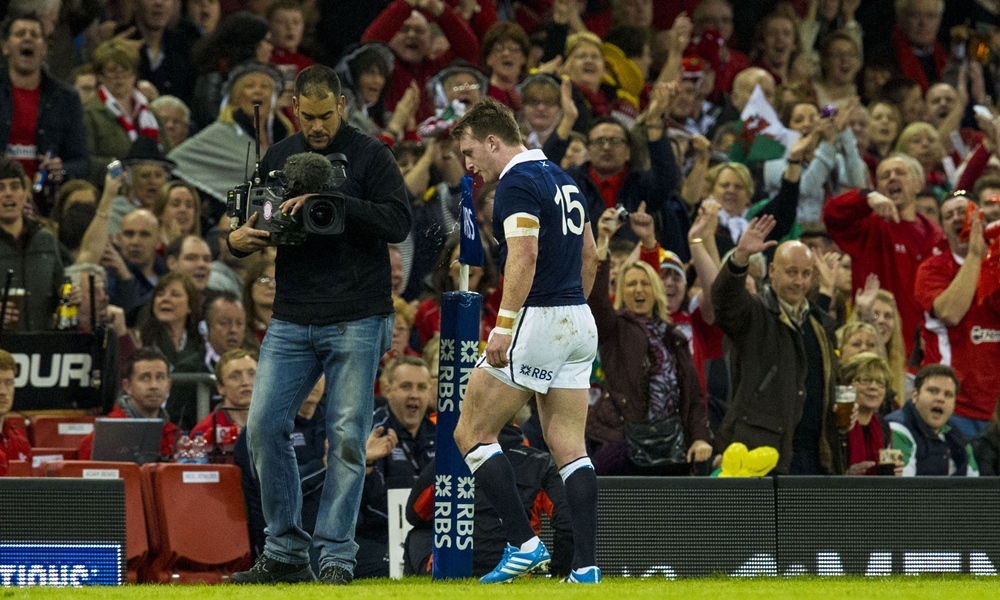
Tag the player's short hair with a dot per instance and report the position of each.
(489, 117)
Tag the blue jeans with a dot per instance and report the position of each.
(292, 358)
(970, 428)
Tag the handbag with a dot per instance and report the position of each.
(656, 444)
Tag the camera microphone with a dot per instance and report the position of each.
(307, 173)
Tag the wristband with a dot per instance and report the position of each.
(695, 241)
(502, 330)
(505, 320)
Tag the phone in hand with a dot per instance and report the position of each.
(115, 168)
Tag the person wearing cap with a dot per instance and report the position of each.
(119, 114)
(30, 250)
(690, 107)
(148, 170)
(220, 156)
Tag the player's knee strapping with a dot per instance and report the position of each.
(479, 454)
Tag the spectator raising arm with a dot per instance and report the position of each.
(96, 237)
(705, 255)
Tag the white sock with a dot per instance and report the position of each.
(531, 545)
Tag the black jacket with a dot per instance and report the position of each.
(60, 123)
(986, 447)
(397, 470)
(346, 277)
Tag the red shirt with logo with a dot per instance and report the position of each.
(226, 431)
(893, 251)
(972, 347)
(21, 145)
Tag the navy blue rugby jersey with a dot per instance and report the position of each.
(535, 194)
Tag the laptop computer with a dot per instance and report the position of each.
(127, 440)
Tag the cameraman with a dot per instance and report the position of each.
(332, 314)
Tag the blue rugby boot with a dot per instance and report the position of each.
(516, 564)
(590, 575)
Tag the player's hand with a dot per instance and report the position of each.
(699, 451)
(496, 349)
(247, 239)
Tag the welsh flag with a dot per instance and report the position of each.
(762, 136)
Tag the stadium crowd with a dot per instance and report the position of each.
(795, 202)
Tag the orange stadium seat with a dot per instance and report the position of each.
(60, 432)
(137, 541)
(201, 522)
(19, 468)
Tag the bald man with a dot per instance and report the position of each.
(783, 365)
(137, 241)
(743, 85)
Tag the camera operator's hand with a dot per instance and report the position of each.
(291, 207)
(247, 239)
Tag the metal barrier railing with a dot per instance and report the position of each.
(204, 383)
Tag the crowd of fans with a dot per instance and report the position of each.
(736, 300)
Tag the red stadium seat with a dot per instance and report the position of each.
(137, 542)
(60, 432)
(201, 522)
(19, 468)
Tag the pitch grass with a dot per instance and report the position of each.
(799, 588)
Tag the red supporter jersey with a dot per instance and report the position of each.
(972, 347)
(14, 445)
(21, 143)
(226, 431)
(893, 251)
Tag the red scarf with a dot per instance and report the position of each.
(142, 116)
(861, 447)
(599, 105)
(908, 64)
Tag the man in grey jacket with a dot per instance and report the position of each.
(30, 250)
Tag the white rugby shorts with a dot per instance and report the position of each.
(551, 347)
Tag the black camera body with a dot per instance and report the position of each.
(323, 213)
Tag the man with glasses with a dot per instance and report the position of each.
(609, 178)
(958, 330)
